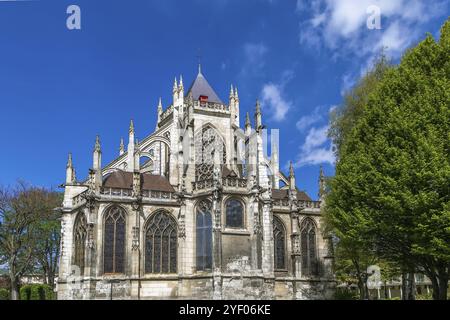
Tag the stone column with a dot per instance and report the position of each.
(217, 237)
(267, 239)
(255, 227)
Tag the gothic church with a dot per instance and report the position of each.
(196, 210)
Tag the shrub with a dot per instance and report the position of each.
(4, 294)
(36, 292)
(424, 296)
(345, 294)
(25, 292)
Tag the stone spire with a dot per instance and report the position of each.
(248, 126)
(97, 164)
(180, 86)
(231, 92)
(236, 107)
(131, 130)
(130, 151)
(291, 177)
(175, 86)
(121, 147)
(70, 172)
(321, 183)
(97, 156)
(137, 156)
(160, 111)
(258, 121)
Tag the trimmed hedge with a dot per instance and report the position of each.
(4, 294)
(345, 294)
(36, 292)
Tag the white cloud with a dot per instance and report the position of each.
(318, 114)
(315, 150)
(342, 25)
(274, 102)
(306, 121)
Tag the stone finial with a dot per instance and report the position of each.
(247, 120)
(257, 107)
(321, 182)
(175, 85)
(291, 176)
(131, 130)
(236, 93)
(97, 147)
(69, 161)
(231, 92)
(121, 147)
(258, 120)
(160, 107)
(181, 82)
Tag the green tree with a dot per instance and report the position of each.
(49, 239)
(21, 211)
(392, 176)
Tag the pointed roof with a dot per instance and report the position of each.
(201, 87)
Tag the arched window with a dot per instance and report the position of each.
(234, 217)
(80, 235)
(209, 150)
(308, 244)
(161, 244)
(114, 241)
(204, 236)
(279, 244)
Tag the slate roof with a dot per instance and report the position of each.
(201, 87)
(124, 180)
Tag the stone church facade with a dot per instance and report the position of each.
(196, 210)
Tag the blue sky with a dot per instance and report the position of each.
(60, 87)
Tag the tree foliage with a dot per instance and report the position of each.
(25, 214)
(391, 188)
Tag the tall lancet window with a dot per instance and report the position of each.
(279, 244)
(209, 150)
(161, 244)
(114, 241)
(204, 236)
(309, 249)
(80, 235)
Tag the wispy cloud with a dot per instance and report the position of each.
(274, 102)
(341, 27)
(316, 149)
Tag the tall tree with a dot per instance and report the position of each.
(21, 209)
(49, 239)
(392, 177)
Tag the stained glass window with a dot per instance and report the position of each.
(234, 217)
(204, 236)
(279, 245)
(209, 148)
(309, 250)
(114, 241)
(80, 235)
(161, 244)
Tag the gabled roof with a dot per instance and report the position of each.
(201, 87)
